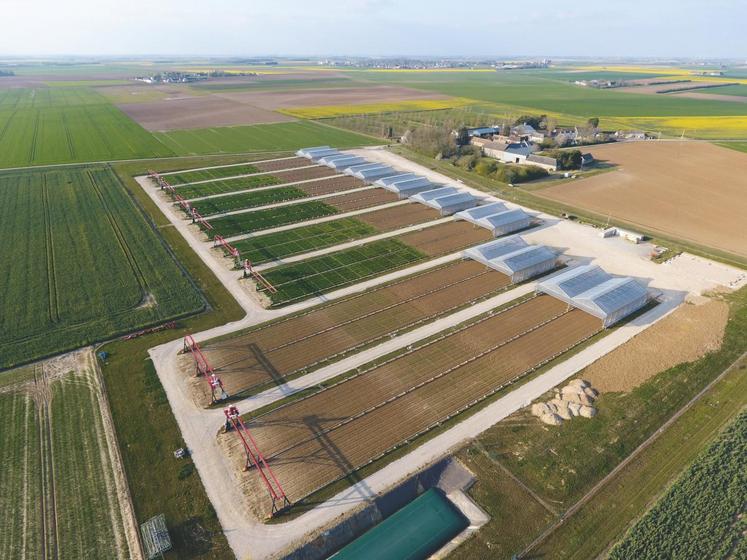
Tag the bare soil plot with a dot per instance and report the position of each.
(313, 442)
(687, 334)
(197, 112)
(286, 163)
(331, 185)
(388, 219)
(360, 200)
(446, 238)
(271, 100)
(270, 354)
(690, 190)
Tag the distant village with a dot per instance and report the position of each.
(188, 77)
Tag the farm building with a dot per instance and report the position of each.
(371, 174)
(409, 187)
(545, 162)
(386, 181)
(593, 290)
(450, 203)
(514, 257)
(483, 131)
(501, 222)
(513, 152)
(317, 152)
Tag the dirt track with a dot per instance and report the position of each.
(271, 353)
(317, 440)
(690, 190)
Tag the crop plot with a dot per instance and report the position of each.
(321, 274)
(283, 244)
(63, 476)
(326, 436)
(253, 181)
(272, 353)
(219, 204)
(258, 220)
(86, 264)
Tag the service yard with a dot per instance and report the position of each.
(681, 189)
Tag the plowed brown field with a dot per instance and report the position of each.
(360, 200)
(446, 238)
(315, 441)
(276, 164)
(690, 190)
(282, 348)
(334, 184)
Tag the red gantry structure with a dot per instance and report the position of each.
(228, 248)
(250, 271)
(203, 368)
(255, 459)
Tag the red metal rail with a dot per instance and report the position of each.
(249, 270)
(199, 219)
(203, 368)
(230, 249)
(254, 458)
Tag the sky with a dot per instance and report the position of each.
(498, 28)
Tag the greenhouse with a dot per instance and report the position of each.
(316, 152)
(514, 257)
(501, 222)
(371, 174)
(475, 214)
(593, 290)
(344, 162)
(425, 196)
(386, 181)
(409, 187)
(451, 203)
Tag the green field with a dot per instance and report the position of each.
(226, 186)
(299, 240)
(738, 90)
(281, 136)
(82, 263)
(222, 204)
(21, 524)
(60, 125)
(258, 220)
(699, 516)
(62, 486)
(208, 174)
(339, 269)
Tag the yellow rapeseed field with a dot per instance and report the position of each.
(328, 111)
(711, 127)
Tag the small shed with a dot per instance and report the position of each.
(514, 257)
(600, 294)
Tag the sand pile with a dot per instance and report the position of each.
(573, 400)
